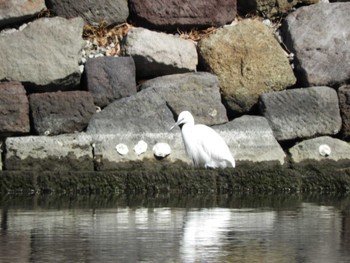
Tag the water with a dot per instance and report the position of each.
(175, 229)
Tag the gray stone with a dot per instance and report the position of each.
(110, 78)
(150, 110)
(197, 92)
(45, 53)
(171, 15)
(144, 112)
(49, 153)
(302, 113)
(107, 158)
(55, 113)
(15, 12)
(319, 36)
(93, 12)
(248, 61)
(156, 54)
(14, 109)
(344, 104)
(250, 138)
(310, 150)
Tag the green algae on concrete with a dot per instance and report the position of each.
(247, 178)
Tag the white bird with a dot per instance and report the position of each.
(203, 145)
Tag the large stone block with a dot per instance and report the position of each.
(110, 78)
(61, 112)
(14, 109)
(250, 138)
(14, 12)
(46, 53)
(93, 12)
(248, 61)
(106, 156)
(171, 15)
(314, 149)
(150, 110)
(302, 113)
(156, 54)
(197, 92)
(49, 153)
(319, 37)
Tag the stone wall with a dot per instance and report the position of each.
(272, 79)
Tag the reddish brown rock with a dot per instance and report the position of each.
(14, 109)
(61, 112)
(170, 15)
(344, 104)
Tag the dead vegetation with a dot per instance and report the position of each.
(106, 37)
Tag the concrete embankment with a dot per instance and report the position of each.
(248, 178)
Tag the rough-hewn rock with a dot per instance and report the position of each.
(250, 138)
(302, 113)
(107, 158)
(319, 37)
(196, 92)
(171, 15)
(110, 78)
(49, 153)
(344, 104)
(61, 112)
(150, 109)
(93, 12)
(14, 12)
(248, 61)
(45, 53)
(156, 54)
(140, 113)
(310, 150)
(14, 109)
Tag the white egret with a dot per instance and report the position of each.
(203, 145)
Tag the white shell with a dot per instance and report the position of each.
(161, 149)
(324, 150)
(140, 147)
(122, 149)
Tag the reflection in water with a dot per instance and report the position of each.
(210, 229)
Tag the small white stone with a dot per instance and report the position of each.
(81, 68)
(140, 147)
(161, 149)
(23, 26)
(324, 150)
(122, 149)
(267, 22)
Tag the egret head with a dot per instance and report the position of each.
(184, 118)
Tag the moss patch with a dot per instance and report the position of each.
(243, 179)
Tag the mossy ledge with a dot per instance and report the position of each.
(247, 178)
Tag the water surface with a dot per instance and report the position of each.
(207, 228)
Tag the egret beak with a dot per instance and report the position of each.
(172, 127)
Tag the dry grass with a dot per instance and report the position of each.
(104, 36)
(196, 35)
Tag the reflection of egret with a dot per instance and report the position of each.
(204, 145)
